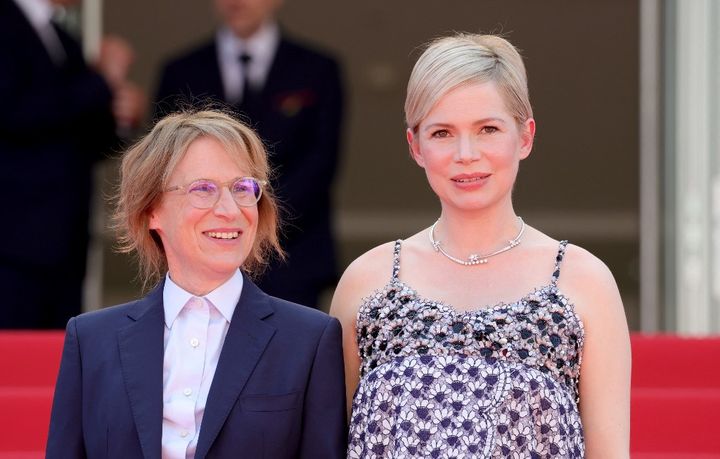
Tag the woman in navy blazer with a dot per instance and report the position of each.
(257, 377)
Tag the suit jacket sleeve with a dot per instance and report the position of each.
(65, 439)
(324, 419)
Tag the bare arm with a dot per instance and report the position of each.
(343, 310)
(369, 272)
(606, 359)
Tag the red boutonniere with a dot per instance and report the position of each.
(291, 103)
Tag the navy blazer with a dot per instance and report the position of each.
(298, 116)
(278, 391)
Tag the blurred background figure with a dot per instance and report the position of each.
(59, 116)
(293, 96)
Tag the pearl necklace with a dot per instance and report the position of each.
(474, 258)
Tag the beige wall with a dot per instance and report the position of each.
(580, 183)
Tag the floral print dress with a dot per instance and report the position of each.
(496, 382)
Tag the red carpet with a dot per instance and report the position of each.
(29, 361)
(675, 407)
(675, 395)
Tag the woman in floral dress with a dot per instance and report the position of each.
(480, 336)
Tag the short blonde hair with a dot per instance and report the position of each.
(147, 166)
(464, 58)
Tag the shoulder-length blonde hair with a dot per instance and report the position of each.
(146, 168)
(465, 58)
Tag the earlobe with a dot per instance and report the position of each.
(413, 147)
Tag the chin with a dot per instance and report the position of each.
(468, 203)
(222, 265)
(229, 266)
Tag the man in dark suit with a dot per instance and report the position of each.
(292, 95)
(56, 120)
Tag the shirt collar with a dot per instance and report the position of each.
(225, 298)
(38, 12)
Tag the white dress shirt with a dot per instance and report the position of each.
(39, 13)
(195, 329)
(261, 47)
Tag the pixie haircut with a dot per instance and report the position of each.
(145, 171)
(461, 59)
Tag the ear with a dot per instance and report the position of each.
(527, 136)
(414, 146)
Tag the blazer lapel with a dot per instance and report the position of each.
(141, 357)
(245, 342)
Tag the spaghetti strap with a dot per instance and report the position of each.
(558, 261)
(396, 259)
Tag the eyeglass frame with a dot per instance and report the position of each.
(184, 188)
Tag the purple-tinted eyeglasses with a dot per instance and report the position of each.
(205, 193)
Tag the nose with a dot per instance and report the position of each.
(467, 151)
(226, 205)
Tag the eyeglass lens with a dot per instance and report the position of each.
(205, 193)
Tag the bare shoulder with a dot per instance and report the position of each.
(369, 272)
(583, 270)
(588, 283)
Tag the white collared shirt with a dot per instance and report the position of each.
(195, 329)
(261, 47)
(39, 13)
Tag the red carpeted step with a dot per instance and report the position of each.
(675, 398)
(674, 361)
(22, 454)
(667, 456)
(675, 421)
(30, 358)
(29, 362)
(25, 418)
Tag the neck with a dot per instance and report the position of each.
(246, 33)
(195, 285)
(463, 233)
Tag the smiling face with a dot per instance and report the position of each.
(204, 247)
(470, 147)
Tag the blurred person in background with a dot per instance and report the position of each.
(59, 116)
(207, 364)
(292, 95)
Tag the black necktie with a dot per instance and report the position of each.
(249, 105)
